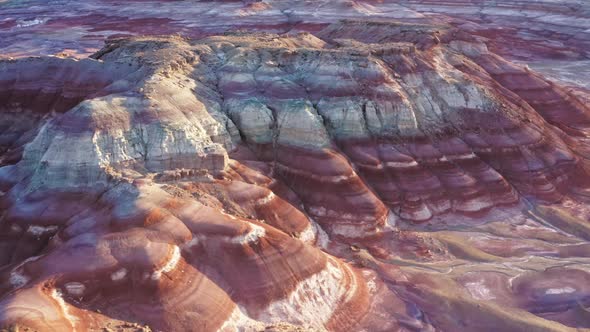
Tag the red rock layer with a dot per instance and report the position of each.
(331, 191)
(156, 262)
(418, 180)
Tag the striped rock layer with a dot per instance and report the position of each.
(207, 184)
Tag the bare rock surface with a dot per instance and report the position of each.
(331, 169)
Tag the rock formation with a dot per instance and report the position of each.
(372, 175)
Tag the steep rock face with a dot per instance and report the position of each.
(352, 180)
(119, 126)
(448, 145)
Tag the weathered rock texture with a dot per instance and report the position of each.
(374, 175)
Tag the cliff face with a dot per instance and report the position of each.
(374, 175)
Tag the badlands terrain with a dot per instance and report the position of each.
(295, 165)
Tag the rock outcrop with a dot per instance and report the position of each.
(374, 175)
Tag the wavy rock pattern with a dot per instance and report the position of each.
(374, 175)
